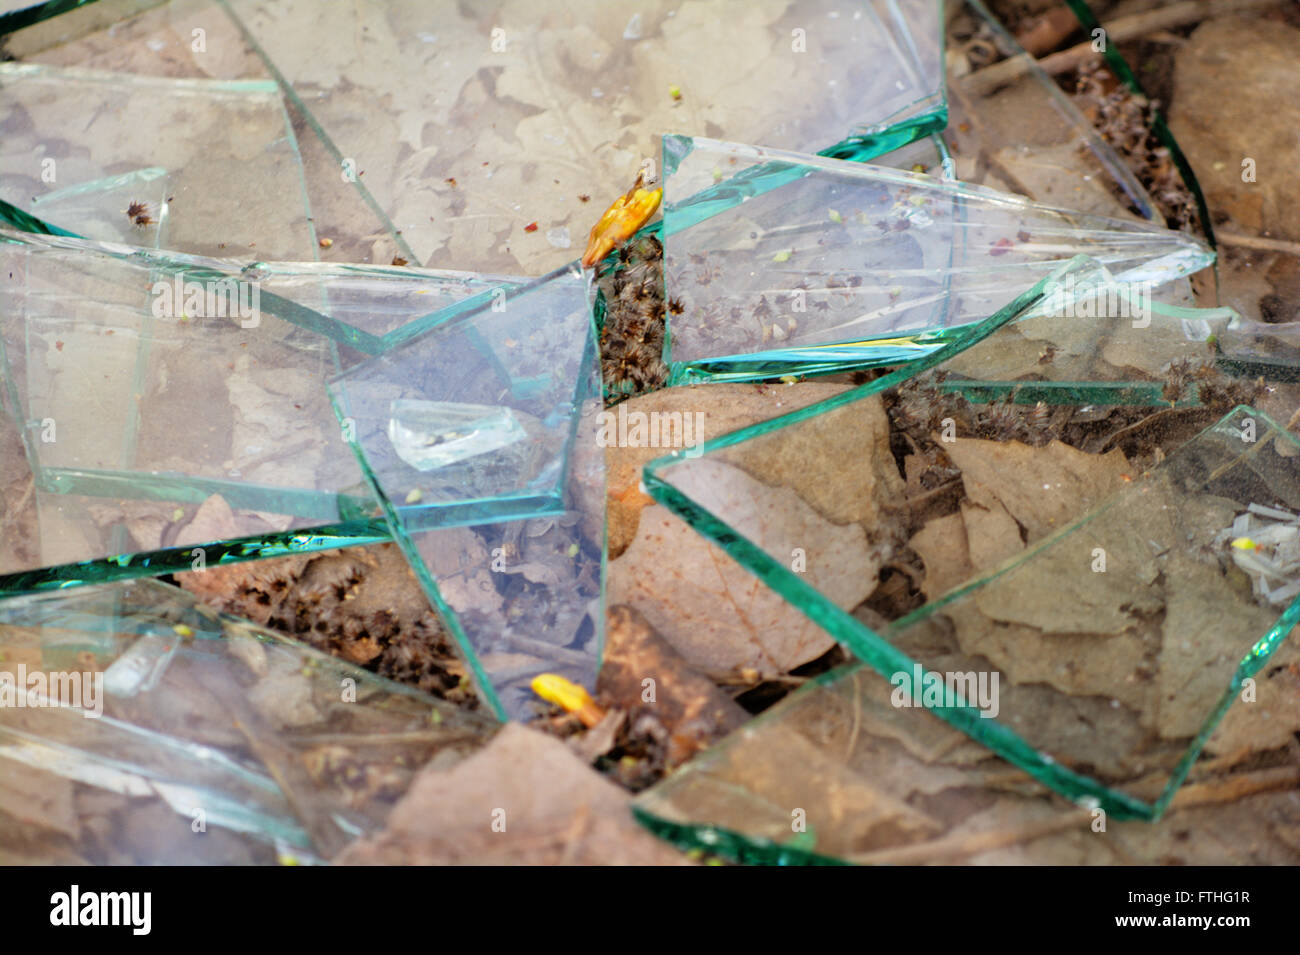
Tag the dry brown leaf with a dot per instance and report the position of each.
(213, 521)
(941, 544)
(552, 808)
(992, 535)
(726, 408)
(839, 462)
(1044, 489)
(714, 612)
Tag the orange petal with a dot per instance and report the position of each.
(619, 223)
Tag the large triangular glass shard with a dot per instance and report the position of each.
(598, 83)
(840, 773)
(864, 759)
(233, 180)
(161, 408)
(480, 437)
(146, 711)
(1028, 554)
(786, 263)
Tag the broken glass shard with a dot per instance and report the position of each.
(156, 38)
(507, 541)
(161, 407)
(1037, 536)
(786, 263)
(839, 773)
(875, 74)
(429, 435)
(64, 129)
(96, 210)
(171, 713)
(748, 76)
(141, 667)
(1012, 128)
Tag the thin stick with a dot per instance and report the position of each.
(1257, 242)
(1119, 31)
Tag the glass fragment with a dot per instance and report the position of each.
(988, 414)
(847, 265)
(178, 735)
(481, 440)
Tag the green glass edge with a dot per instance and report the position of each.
(728, 844)
(172, 560)
(15, 20)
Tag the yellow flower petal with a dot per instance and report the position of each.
(567, 695)
(628, 213)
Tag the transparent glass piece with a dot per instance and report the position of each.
(1159, 129)
(1087, 661)
(429, 435)
(234, 177)
(242, 730)
(1012, 128)
(871, 783)
(509, 545)
(365, 144)
(917, 29)
(141, 667)
(788, 264)
(583, 85)
(159, 403)
(153, 38)
(97, 209)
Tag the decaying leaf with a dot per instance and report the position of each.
(523, 799)
(714, 612)
(718, 409)
(1042, 488)
(643, 674)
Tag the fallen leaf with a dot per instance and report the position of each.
(687, 704)
(524, 799)
(941, 545)
(714, 612)
(725, 408)
(1045, 488)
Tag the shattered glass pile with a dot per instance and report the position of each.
(1118, 632)
(263, 297)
